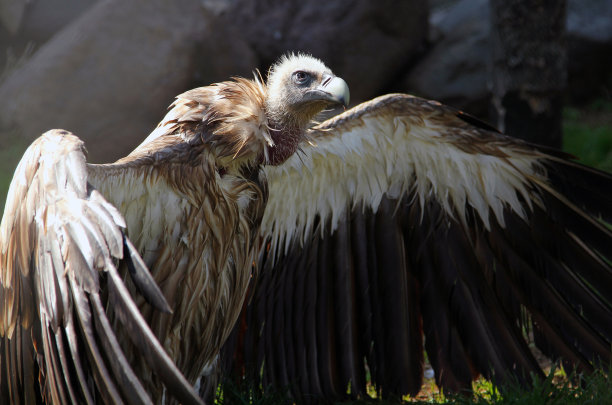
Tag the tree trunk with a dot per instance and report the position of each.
(529, 68)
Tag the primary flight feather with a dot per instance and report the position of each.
(398, 226)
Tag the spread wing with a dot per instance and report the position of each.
(60, 245)
(411, 227)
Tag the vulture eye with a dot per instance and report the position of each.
(301, 77)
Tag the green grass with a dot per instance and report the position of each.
(587, 134)
(246, 393)
(556, 389)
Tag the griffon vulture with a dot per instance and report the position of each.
(398, 226)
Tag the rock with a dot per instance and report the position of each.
(590, 20)
(11, 14)
(110, 75)
(454, 70)
(449, 15)
(43, 18)
(368, 43)
(28, 24)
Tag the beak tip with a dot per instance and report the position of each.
(339, 91)
(343, 91)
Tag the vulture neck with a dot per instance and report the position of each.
(286, 141)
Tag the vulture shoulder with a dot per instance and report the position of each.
(408, 226)
(60, 245)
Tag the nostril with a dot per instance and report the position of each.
(326, 79)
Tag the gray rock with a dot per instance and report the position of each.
(449, 15)
(27, 24)
(455, 69)
(43, 18)
(110, 74)
(11, 14)
(590, 20)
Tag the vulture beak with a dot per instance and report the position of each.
(332, 89)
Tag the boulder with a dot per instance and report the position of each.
(110, 74)
(455, 68)
(27, 24)
(11, 14)
(590, 20)
(38, 20)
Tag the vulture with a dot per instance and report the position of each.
(243, 237)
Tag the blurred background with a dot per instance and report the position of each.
(107, 70)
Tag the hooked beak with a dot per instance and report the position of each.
(332, 89)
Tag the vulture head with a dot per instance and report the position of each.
(298, 88)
